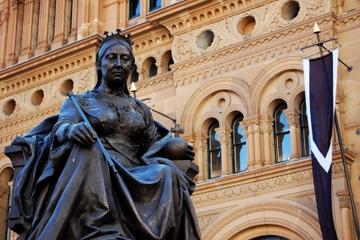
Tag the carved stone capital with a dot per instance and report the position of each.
(292, 117)
(224, 135)
(200, 142)
(344, 199)
(266, 126)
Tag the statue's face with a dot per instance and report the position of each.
(116, 66)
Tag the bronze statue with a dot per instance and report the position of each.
(67, 188)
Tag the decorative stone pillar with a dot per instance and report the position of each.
(200, 146)
(225, 137)
(249, 131)
(27, 30)
(83, 19)
(140, 74)
(124, 14)
(159, 67)
(292, 118)
(346, 223)
(339, 6)
(59, 34)
(73, 31)
(4, 21)
(44, 19)
(11, 37)
(266, 127)
(257, 145)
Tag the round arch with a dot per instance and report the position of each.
(238, 86)
(283, 218)
(269, 73)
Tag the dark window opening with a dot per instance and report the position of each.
(134, 8)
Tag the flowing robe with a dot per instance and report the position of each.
(68, 191)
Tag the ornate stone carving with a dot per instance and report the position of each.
(205, 220)
(266, 126)
(306, 199)
(344, 199)
(292, 117)
(224, 135)
(271, 183)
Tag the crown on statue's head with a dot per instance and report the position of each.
(117, 35)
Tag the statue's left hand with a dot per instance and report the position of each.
(178, 149)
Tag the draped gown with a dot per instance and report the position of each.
(68, 191)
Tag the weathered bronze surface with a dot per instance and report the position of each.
(65, 189)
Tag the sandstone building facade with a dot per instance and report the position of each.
(229, 71)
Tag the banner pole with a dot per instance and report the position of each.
(347, 176)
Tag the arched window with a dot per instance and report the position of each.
(281, 134)
(134, 8)
(135, 75)
(153, 69)
(238, 142)
(214, 151)
(166, 61)
(305, 150)
(154, 4)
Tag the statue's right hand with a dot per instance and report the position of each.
(82, 133)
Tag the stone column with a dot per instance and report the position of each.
(83, 19)
(140, 73)
(59, 34)
(249, 131)
(4, 21)
(257, 144)
(159, 67)
(339, 6)
(27, 30)
(225, 136)
(292, 118)
(44, 19)
(346, 223)
(12, 36)
(74, 12)
(200, 146)
(124, 13)
(266, 127)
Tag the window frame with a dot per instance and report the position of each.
(280, 134)
(305, 150)
(210, 151)
(132, 7)
(151, 9)
(234, 145)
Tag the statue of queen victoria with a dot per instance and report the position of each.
(109, 175)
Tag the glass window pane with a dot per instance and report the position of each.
(154, 4)
(215, 159)
(283, 147)
(304, 130)
(281, 124)
(243, 158)
(153, 70)
(214, 149)
(134, 8)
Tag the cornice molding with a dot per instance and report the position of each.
(347, 21)
(268, 179)
(185, 19)
(156, 83)
(300, 33)
(90, 42)
(13, 82)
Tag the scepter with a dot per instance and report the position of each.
(98, 142)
